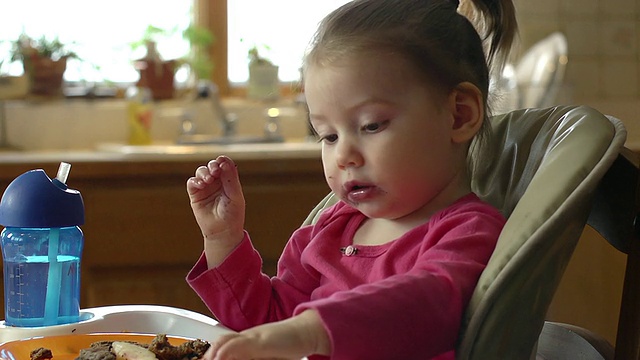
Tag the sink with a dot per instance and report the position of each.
(203, 139)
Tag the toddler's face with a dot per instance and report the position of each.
(386, 136)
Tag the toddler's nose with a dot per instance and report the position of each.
(348, 154)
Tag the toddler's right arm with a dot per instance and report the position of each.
(218, 205)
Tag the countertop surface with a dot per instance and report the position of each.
(115, 152)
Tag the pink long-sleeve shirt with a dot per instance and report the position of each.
(400, 300)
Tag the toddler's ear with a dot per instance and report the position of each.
(468, 112)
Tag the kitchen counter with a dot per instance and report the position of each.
(140, 235)
(161, 152)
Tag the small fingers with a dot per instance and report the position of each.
(241, 346)
(216, 352)
(199, 180)
(225, 169)
(206, 174)
(215, 166)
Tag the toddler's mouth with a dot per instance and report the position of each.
(356, 192)
(353, 186)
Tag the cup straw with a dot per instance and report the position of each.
(54, 278)
(52, 299)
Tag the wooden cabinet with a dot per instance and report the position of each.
(140, 235)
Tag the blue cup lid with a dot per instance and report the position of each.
(33, 200)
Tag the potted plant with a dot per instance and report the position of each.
(198, 59)
(263, 76)
(158, 74)
(44, 62)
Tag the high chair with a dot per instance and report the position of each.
(614, 215)
(544, 179)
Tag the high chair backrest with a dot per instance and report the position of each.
(547, 166)
(543, 180)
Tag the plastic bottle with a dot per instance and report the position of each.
(41, 249)
(139, 115)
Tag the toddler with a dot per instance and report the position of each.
(397, 94)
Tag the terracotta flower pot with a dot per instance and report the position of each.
(45, 75)
(158, 77)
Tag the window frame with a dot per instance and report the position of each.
(212, 14)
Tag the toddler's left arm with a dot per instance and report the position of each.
(293, 338)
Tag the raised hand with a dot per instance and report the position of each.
(218, 205)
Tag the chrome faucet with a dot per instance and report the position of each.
(227, 121)
(272, 126)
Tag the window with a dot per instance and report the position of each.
(100, 32)
(281, 29)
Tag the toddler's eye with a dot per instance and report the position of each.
(375, 127)
(329, 139)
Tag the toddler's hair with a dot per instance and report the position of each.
(443, 45)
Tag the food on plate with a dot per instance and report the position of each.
(128, 351)
(158, 349)
(41, 354)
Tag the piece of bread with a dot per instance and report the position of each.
(128, 351)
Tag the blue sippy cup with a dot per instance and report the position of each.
(41, 249)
